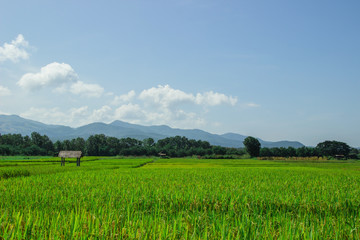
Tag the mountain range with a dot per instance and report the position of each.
(15, 124)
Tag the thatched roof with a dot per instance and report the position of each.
(70, 154)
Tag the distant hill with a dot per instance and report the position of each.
(119, 129)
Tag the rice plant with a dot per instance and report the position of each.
(183, 199)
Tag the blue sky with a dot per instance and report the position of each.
(271, 69)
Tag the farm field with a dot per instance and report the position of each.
(145, 198)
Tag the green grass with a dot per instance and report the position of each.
(182, 199)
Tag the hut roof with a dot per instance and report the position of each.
(70, 154)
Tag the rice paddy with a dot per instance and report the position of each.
(110, 198)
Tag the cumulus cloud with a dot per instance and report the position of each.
(165, 105)
(124, 98)
(72, 117)
(81, 112)
(214, 99)
(15, 50)
(46, 115)
(103, 114)
(167, 96)
(130, 112)
(52, 75)
(4, 91)
(62, 78)
(85, 89)
(153, 106)
(135, 113)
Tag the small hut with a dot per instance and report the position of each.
(70, 154)
(162, 155)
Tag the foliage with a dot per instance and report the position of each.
(332, 148)
(252, 146)
(289, 152)
(15, 144)
(101, 145)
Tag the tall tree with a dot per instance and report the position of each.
(252, 146)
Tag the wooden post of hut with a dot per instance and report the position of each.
(70, 154)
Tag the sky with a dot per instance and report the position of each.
(277, 70)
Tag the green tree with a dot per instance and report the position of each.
(218, 150)
(79, 144)
(332, 148)
(114, 146)
(58, 146)
(43, 142)
(266, 152)
(148, 142)
(354, 153)
(252, 146)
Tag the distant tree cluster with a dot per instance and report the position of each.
(327, 148)
(33, 145)
(289, 152)
(101, 145)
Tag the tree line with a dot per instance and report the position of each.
(101, 145)
(326, 148)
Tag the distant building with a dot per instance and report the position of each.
(162, 155)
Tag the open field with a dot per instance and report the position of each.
(111, 198)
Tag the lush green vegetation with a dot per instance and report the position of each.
(144, 198)
(252, 146)
(101, 145)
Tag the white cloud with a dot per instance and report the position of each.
(135, 113)
(186, 119)
(4, 91)
(52, 75)
(165, 105)
(87, 90)
(214, 99)
(49, 116)
(130, 112)
(15, 50)
(81, 112)
(154, 106)
(124, 98)
(104, 114)
(62, 78)
(74, 117)
(165, 96)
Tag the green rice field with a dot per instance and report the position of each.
(145, 198)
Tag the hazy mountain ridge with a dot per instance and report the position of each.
(119, 129)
